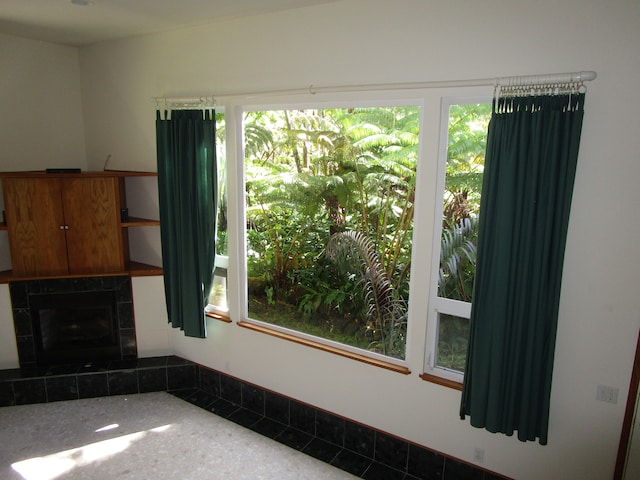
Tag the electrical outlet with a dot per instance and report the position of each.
(607, 394)
(478, 455)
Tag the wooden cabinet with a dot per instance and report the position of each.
(68, 224)
(34, 216)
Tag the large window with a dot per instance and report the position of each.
(461, 165)
(329, 205)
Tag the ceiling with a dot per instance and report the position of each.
(65, 22)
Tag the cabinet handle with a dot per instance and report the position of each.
(64, 227)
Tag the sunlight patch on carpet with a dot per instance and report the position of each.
(52, 466)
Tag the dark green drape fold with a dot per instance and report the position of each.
(530, 164)
(187, 190)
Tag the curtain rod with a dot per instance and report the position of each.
(547, 79)
(185, 102)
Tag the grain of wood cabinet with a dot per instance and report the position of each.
(62, 226)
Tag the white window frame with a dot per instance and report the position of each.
(439, 305)
(369, 99)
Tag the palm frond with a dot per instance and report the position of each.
(458, 250)
(356, 252)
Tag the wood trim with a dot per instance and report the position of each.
(218, 316)
(445, 382)
(140, 222)
(137, 269)
(627, 423)
(105, 173)
(6, 276)
(325, 348)
(134, 269)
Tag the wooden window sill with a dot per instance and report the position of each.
(218, 316)
(445, 382)
(326, 348)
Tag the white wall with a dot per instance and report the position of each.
(150, 313)
(372, 41)
(41, 123)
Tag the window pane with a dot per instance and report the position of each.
(453, 337)
(465, 165)
(329, 207)
(466, 137)
(221, 157)
(218, 294)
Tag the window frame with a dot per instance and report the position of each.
(420, 341)
(221, 261)
(440, 305)
(353, 100)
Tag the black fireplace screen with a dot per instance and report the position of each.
(70, 327)
(73, 321)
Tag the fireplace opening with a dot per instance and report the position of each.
(75, 327)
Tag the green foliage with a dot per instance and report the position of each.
(465, 160)
(311, 174)
(386, 313)
(458, 260)
(330, 219)
(453, 337)
(465, 165)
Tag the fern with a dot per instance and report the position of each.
(458, 260)
(356, 253)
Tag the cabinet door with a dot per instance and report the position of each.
(36, 226)
(94, 237)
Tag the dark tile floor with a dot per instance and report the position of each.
(352, 447)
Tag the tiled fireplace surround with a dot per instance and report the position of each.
(353, 447)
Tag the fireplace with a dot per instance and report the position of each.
(74, 327)
(73, 321)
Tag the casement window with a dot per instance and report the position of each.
(218, 297)
(463, 136)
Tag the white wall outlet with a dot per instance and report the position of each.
(478, 455)
(607, 394)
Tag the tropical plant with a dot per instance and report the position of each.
(453, 339)
(465, 166)
(458, 260)
(465, 160)
(321, 173)
(386, 313)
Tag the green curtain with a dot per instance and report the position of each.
(530, 164)
(187, 190)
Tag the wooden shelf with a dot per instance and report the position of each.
(134, 269)
(105, 173)
(137, 269)
(3, 226)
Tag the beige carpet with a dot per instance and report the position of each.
(147, 436)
